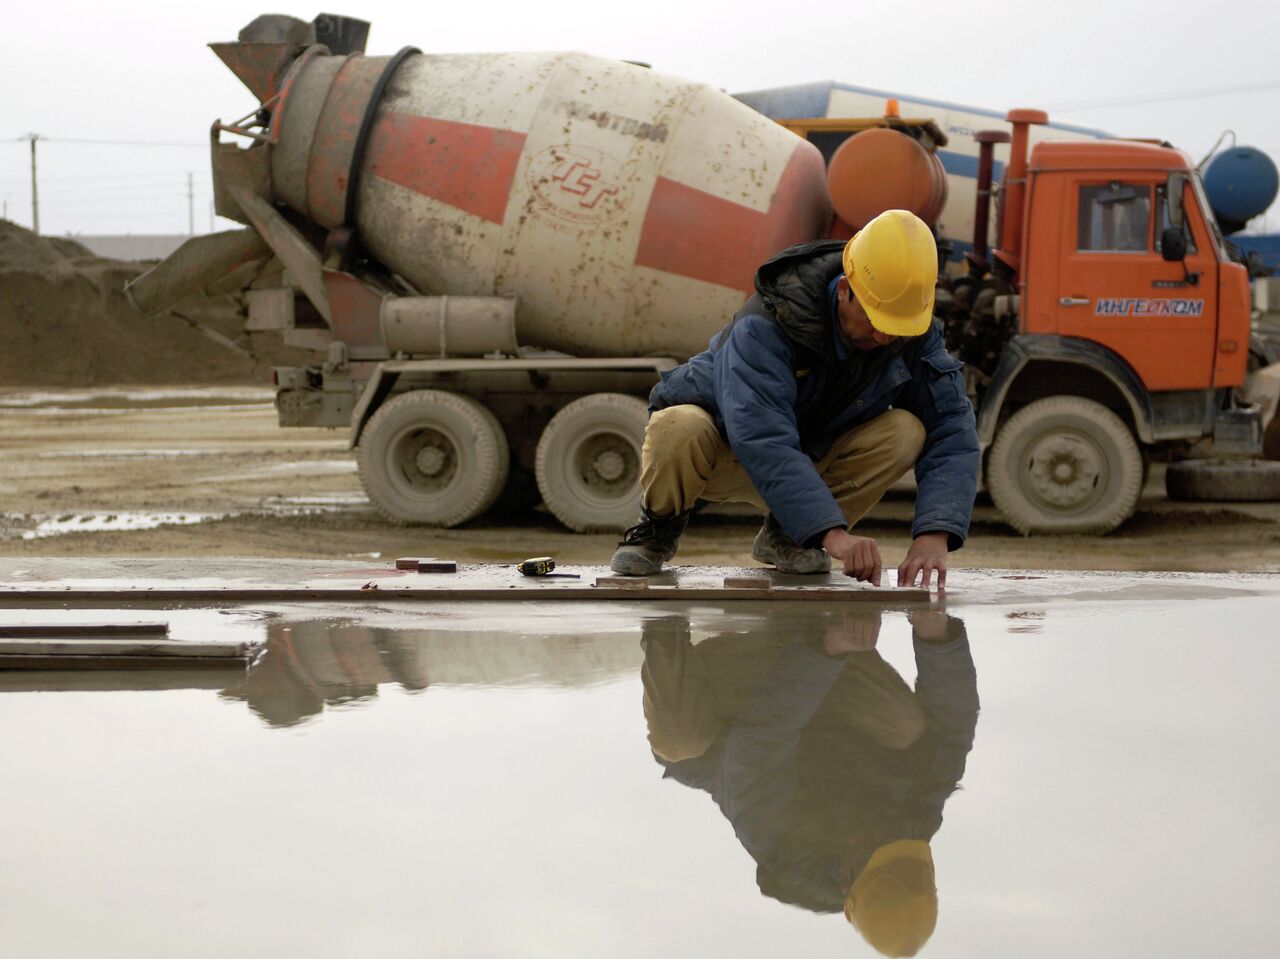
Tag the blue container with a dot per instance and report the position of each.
(1241, 183)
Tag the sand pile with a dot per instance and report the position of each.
(64, 321)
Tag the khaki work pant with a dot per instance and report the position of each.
(685, 459)
(693, 693)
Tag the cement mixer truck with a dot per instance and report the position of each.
(497, 255)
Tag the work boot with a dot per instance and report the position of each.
(648, 544)
(774, 546)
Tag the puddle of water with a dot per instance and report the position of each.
(40, 527)
(319, 502)
(682, 780)
(34, 526)
(138, 398)
(305, 467)
(129, 409)
(126, 454)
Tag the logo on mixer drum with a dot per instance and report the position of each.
(578, 183)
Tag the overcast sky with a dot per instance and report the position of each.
(120, 70)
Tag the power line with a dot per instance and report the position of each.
(104, 176)
(80, 141)
(147, 189)
(1108, 103)
(124, 143)
(74, 201)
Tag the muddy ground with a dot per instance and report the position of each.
(84, 473)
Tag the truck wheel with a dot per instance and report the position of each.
(1065, 464)
(433, 458)
(1230, 481)
(588, 462)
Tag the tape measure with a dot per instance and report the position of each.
(538, 566)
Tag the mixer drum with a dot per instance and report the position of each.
(626, 210)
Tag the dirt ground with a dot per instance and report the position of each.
(64, 320)
(84, 473)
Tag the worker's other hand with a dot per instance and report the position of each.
(859, 555)
(928, 553)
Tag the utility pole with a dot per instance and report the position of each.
(191, 205)
(35, 192)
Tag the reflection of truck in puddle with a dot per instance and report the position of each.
(499, 253)
(309, 665)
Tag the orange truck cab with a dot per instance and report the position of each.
(1132, 330)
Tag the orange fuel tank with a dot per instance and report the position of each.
(882, 169)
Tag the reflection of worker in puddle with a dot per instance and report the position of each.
(831, 769)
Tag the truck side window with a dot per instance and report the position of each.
(1115, 217)
(1164, 222)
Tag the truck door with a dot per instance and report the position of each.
(1115, 289)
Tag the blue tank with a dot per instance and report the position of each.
(1241, 183)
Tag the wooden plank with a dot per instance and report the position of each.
(622, 582)
(67, 675)
(437, 566)
(78, 630)
(519, 594)
(61, 663)
(746, 582)
(427, 564)
(411, 562)
(123, 647)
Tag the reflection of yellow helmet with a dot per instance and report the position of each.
(893, 902)
(892, 265)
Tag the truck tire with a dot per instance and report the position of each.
(1224, 481)
(432, 458)
(1065, 464)
(588, 462)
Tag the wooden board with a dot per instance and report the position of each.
(746, 582)
(437, 566)
(534, 592)
(125, 647)
(61, 663)
(81, 630)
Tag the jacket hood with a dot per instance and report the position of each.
(794, 284)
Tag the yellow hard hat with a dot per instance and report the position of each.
(894, 902)
(892, 265)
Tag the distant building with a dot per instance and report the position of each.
(133, 246)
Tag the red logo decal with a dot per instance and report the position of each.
(580, 184)
(577, 175)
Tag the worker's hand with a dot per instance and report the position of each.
(928, 553)
(852, 632)
(859, 555)
(928, 625)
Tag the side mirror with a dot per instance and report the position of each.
(1173, 244)
(1173, 194)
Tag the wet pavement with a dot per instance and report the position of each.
(1039, 764)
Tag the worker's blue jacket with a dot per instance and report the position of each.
(783, 388)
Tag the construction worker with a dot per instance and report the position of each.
(826, 386)
(832, 771)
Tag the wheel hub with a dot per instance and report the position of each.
(607, 464)
(427, 459)
(430, 460)
(610, 465)
(1064, 470)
